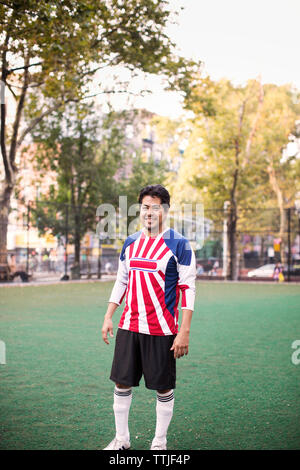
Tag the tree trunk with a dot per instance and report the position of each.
(232, 243)
(75, 269)
(232, 220)
(262, 251)
(77, 242)
(77, 234)
(4, 213)
(276, 188)
(233, 217)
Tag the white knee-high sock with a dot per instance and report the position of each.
(122, 402)
(164, 413)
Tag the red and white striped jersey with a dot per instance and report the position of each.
(152, 272)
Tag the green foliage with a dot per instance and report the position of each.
(85, 151)
(50, 50)
(237, 143)
(238, 131)
(59, 45)
(143, 174)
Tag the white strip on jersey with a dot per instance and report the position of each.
(126, 323)
(164, 325)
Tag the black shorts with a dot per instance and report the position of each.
(138, 354)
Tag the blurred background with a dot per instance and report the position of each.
(100, 98)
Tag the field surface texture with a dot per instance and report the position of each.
(238, 388)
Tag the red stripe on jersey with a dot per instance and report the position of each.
(143, 264)
(176, 306)
(162, 275)
(161, 298)
(134, 322)
(142, 239)
(183, 287)
(147, 247)
(152, 320)
(159, 244)
(163, 253)
(126, 301)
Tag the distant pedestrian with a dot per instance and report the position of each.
(200, 269)
(108, 267)
(277, 273)
(15, 272)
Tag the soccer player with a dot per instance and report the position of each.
(155, 265)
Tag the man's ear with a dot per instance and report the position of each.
(166, 208)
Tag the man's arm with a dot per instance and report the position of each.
(186, 283)
(107, 323)
(181, 342)
(116, 297)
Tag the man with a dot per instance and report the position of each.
(155, 264)
(14, 272)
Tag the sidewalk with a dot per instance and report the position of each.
(54, 278)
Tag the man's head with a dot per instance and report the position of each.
(155, 202)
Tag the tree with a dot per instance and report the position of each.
(237, 134)
(227, 126)
(51, 49)
(85, 151)
(280, 113)
(143, 173)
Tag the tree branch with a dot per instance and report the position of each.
(35, 121)
(16, 125)
(7, 166)
(33, 85)
(24, 67)
(254, 125)
(7, 5)
(10, 89)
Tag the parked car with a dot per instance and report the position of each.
(263, 271)
(294, 269)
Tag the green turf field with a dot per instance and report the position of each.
(237, 389)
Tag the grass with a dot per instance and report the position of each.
(237, 389)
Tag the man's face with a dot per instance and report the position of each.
(152, 214)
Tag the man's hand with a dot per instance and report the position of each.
(181, 342)
(180, 345)
(108, 324)
(107, 328)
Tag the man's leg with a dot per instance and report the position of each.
(121, 406)
(159, 368)
(125, 368)
(164, 413)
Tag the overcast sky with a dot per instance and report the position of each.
(236, 39)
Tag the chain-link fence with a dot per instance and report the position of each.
(60, 241)
(263, 238)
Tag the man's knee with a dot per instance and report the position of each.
(163, 391)
(122, 386)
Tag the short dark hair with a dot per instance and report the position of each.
(155, 190)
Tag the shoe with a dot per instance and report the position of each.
(115, 444)
(156, 445)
